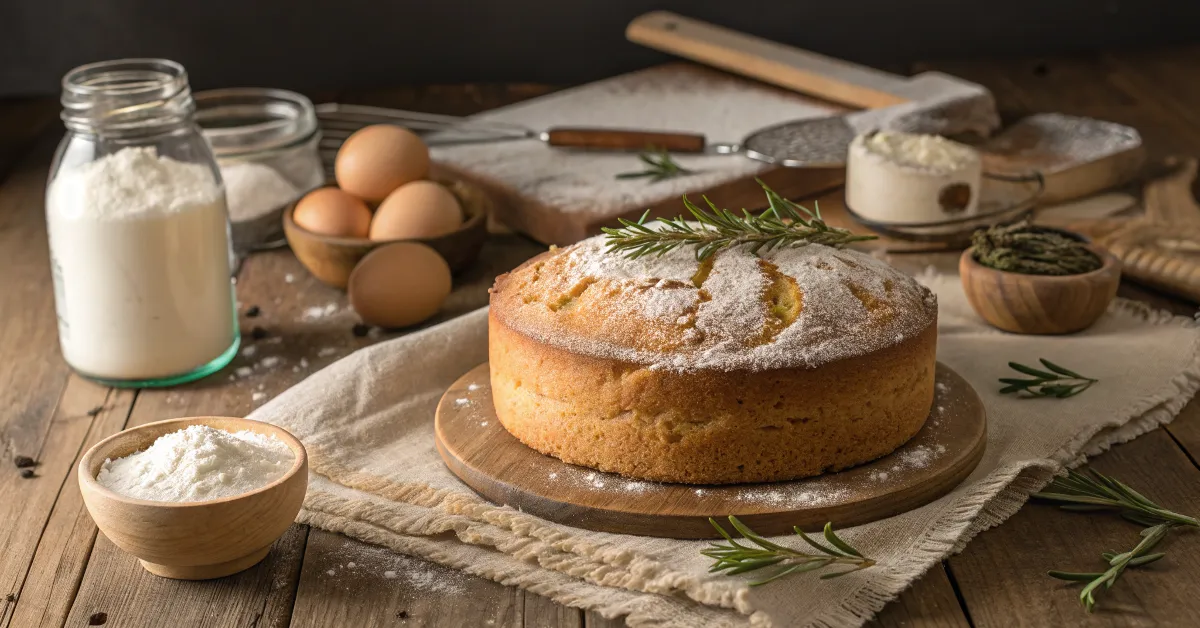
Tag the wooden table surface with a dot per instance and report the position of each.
(55, 570)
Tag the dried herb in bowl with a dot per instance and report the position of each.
(1031, 250)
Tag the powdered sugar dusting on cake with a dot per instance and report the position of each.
(733, 314)
(791, 307)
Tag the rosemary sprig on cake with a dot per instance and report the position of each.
(783, 223)
(1031, 250)
(1095, 491)
(1057, 382)
(659, 166)
(736, 558)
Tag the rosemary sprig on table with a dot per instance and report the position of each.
(659, 166)
(735, 558)
(1023, 248)
(1136, 557)
(1057, 382)
(783, 223)
(1095, 491)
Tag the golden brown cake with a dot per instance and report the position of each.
(743, 368)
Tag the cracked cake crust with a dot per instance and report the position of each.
(742, 368)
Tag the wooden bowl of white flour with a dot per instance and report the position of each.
(195, 498)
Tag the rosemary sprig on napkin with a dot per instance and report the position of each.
(659, 166)
(783, 223)
(1097, 492)
(735, 558)
(1057, 382)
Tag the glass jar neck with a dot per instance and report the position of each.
(127, 98)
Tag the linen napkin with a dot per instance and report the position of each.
(367, 422)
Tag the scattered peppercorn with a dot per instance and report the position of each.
(253, 311)
(360, 330)
(258, 333)
(24, 462)
(402, 614)
(95, 411)
(28, 473)
(98, 619)
(11, 597)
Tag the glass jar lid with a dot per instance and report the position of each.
(242, 122)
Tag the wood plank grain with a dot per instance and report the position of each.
(1167, 75)
(1001, 574)
(930, 603)
(116, 585)
(1085, 85)
(349, 583)
(33, 376)
(592, 619)
(64, 543)
(1185, 429)
(543, 612)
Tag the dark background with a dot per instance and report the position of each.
(324, 44)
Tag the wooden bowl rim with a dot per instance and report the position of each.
(475, 215)
(1107, 262)
(89, 479)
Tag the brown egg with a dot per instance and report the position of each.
(378, 159)
(421, 209)
(330, 211)
(400, 284)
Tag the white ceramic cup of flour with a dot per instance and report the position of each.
(908, 179)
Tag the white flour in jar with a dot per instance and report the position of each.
(198, 463)
(140, 253)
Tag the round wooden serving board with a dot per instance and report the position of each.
(477, 448)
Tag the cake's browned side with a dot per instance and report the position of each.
(710, 427)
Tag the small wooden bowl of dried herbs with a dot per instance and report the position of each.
(1028, 279)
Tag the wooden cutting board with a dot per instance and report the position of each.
(477, 448)
(559, 196)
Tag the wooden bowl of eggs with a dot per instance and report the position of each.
(332, 258)
(386, 191)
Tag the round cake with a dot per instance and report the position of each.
(742, 368)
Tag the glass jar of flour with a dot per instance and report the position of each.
(139, 231)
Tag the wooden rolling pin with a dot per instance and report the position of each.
(1162, 249)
